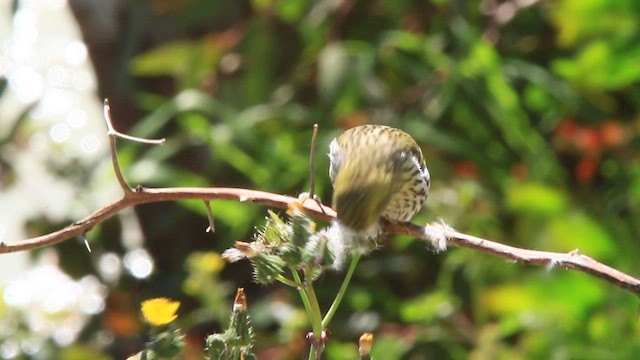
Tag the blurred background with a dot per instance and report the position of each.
(526, 111)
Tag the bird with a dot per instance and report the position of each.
(377, 172)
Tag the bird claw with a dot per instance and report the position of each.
(307, 196)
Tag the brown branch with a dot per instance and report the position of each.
(571, 260)
(438, 235)
(152, 195)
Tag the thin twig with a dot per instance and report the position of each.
(312, 171)
(112, 131)
(312, 163)
(113, 135)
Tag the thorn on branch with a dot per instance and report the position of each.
(212, 227)
(85, 239)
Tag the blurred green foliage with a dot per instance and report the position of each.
(526, 112)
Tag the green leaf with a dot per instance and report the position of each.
(578, 231)
(535, 199)
(565, 297)
(426, 308)
(168, 59)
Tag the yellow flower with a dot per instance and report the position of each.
(159, 311)
(209, 261)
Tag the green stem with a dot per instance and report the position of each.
(286, 281)
(301, 291)
(315, 315)
(342, 291)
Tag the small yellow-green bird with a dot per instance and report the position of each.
(377, 172)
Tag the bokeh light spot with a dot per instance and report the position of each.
(56, 4)
(56, 101)
(89, 144)
(83, 81)
(110, 267)
(31, 345)
(56, 75)
(75, 52)
(76, 118)
(27, 83)
(139, 263)
(60, 132)
(9, 349)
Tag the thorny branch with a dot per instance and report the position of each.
(433, 234)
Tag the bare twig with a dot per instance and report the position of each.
(312, 172)
(112, 131)
(312, 163)
(113, 135)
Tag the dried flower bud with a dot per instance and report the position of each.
(366, 341)
(242, 251)
(246, 249)
(240, 303)
(240, 333)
